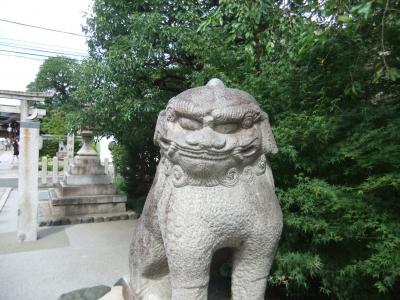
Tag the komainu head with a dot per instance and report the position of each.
(211, 133)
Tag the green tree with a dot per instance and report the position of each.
(57, 75)
(328, 74)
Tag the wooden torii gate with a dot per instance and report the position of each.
(28, 160)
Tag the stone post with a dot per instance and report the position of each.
(111, 170)
(70, 145)
(106, 169)
(44, 170)
(28, 180)
(55, 170)
(24, 110)
(66, 164)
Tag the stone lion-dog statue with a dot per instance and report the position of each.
(213, 189)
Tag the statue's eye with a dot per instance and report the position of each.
(170, 113)
(247, 122)
(226, 128)
(189, 124)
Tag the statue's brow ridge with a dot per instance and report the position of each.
(233, 113)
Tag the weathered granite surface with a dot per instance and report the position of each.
(213, 189)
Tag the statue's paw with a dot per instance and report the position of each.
(154, 297)
(153, 289)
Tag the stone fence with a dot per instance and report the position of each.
(52, 177)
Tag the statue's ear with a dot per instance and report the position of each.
(160, 121)
(268, 140)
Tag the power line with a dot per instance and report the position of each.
(21, 56)
(27, 53)
(42, 44)
(9, 51)
(43, 28)
(44, 50)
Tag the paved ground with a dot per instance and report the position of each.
(8, 169)
(64, 258)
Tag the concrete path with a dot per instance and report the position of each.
(4, 193)
(8, 169)
(64, 258)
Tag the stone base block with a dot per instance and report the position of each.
(84, 205)
(48, 220)
(86, 179)
(86, 165)
(86, 209)
(65, 190)
(59, 210)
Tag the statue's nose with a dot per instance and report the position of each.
(206, 138)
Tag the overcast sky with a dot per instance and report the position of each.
(16, 69)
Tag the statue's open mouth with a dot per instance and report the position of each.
(239, 153)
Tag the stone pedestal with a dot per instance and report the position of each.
(85, 190)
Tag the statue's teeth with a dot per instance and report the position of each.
(172, 150)
(237, 156)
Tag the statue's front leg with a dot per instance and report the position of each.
(148, 267)
(252, 262)
(148, 261)
(189, 253)
(189, 273)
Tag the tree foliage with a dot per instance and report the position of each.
(57, 75)
(328, 74)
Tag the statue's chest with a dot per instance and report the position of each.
(225, 210)
(216, 200)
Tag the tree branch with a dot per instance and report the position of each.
(383, 52)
